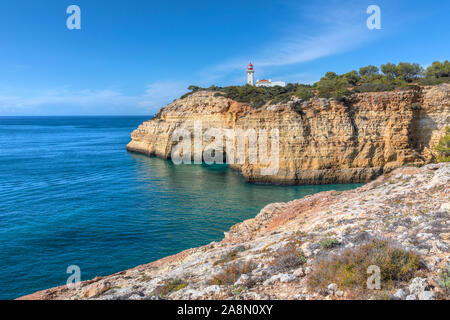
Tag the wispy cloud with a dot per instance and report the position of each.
(332, 30)
(301, 49)
(88, 101)
(162, 92)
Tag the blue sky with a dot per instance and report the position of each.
(132, 57)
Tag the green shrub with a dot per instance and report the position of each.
(433, 81)
(230, 256)
(304, 92)
(328, 243)
(443, 147)
(409, 71)
(444, 280)
(438, 70)
(259, 96)
(234, 290)
(349, 268)
(332, 86)
(352, 77)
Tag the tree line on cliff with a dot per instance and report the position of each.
(332, 85)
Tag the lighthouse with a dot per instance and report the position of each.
(250, 75)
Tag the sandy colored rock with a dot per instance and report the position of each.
(321, 140)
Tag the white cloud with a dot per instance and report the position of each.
(331, 30)
(160, 93)
(308, 48)
(88, 101)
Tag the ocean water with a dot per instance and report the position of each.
(70, 194)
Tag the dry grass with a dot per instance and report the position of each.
(232, 272)
(230, 256)
(288, 258)
(349, 268)
(444, 280)
(169, 287)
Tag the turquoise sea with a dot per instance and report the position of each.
(70, 194)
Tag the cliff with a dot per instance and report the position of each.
(317, 247)
(320, 141)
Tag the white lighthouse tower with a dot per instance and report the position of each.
(250, 75)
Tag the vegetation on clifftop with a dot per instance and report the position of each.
(443, 147)
(348, 269)
(367, 79)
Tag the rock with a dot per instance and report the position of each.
(332, 288)
(401, 229)
(242, 279)
(299, 272)
(445, 236)
(287, 278)
(339, 293)
(411, 297)
(441, 246)
(427, 295)
(193, 294)
(445, 206)
(212, 289)
(96, 289)
(345, 154)
(282, 277)
(418, 285)
(400, 294)
(432, 166)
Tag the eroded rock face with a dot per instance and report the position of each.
(408, 207)
(321, 141)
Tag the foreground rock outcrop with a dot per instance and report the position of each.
(320, 141)
(281, 252)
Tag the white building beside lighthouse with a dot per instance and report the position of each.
(262, 82)
(269, 83)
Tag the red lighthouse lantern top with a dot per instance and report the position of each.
(250, 66)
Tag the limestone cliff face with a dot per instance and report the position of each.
(320, 140)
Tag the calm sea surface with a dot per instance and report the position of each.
(70, 194)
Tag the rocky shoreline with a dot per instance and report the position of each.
(285, 251)
(321, 141)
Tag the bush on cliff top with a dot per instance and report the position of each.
(367, 79)
(258, 96)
